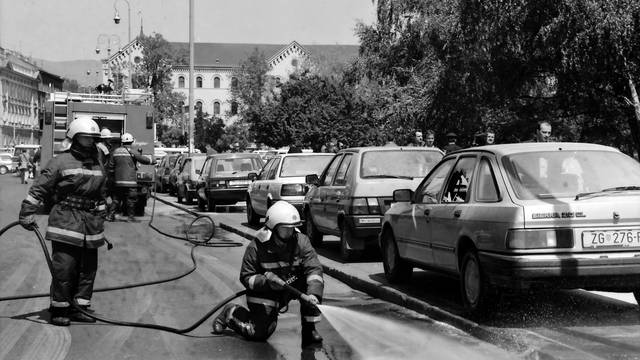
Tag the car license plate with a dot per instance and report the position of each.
(239, 182)
(613, 238)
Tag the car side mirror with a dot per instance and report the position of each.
(402, 195)
(253, 176)
(312, 179)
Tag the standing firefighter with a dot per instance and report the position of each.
(279, 254)
(74, 182)
(122, 167)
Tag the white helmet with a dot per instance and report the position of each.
(83, 125)
(282, 213)
(105, 133)
(127, 138)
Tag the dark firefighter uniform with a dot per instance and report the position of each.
(122, 168)
(74, 182)
(297, 264)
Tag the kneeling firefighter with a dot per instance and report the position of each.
(280, 255)
(74, 183)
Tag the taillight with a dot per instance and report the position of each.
(365, 206)
(540, 239)
(292, 190)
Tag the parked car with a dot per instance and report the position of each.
(6, 163)
(355, 189)
(188, 177)
(520, 216)
(282, 178)
(172, 186)
(225, 177)
(163, 170)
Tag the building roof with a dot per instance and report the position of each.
(231, 55)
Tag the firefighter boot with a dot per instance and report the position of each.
(222, 321)
(59, 316)
(310, 335)
(75, 315)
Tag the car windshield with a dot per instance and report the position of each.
(235, 165)
(304, 165)
(398, 163)
(569, 173)
(198, 161)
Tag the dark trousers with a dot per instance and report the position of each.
(126, 198)
(75, 269)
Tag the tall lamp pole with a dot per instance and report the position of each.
(116, 19)
(191, 79)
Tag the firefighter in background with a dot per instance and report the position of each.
(122, 168)
(74, 183)
(105, 148)
(279, 254)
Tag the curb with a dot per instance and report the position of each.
(511, 342)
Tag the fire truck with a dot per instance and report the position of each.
(130, 112)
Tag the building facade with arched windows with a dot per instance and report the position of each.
(215, 65)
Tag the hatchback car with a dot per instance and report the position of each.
(225, 177)
(355, 189)
(520, 216)
(188, 177)
(172, 186)
(282, 178)
(6, 163)
(163, 170)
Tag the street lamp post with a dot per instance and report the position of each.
(116, 19)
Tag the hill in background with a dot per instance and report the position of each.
(74, 70)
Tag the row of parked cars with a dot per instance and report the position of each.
(497, 218)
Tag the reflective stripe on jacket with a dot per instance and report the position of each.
(65, 176)
(260, 257)
(121, 166)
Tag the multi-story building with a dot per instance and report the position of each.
(24, 88)
(215, 65)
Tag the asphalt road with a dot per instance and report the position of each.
(357, 326)
(572, 324)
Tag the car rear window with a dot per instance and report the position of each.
(398, 163)
(304, 165)
(235, 165)
(568, 173)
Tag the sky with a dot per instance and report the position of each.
(59, 30)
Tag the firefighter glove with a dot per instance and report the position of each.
(312, 299)
(28, 222)
(275, 282)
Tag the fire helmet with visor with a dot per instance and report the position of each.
(83, 125)
(282, 214)
(127, 138)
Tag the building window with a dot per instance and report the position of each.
(234, 82)
(181, 82)
(294, 62)
(234, 108)
(137, 60)
(199, 82)
(216, 82)
(216, 108)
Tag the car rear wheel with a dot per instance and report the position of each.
(3, 170)
(252, 218)
(396, 269)
(480, 298)
(315, 236)
(347, 253)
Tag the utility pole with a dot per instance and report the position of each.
(191, 79)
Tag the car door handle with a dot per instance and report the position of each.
(457, 213)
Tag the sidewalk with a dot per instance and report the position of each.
(359, 277)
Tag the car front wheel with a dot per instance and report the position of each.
(315, 236)
(396, 269)
(348, 254)
(480, 298)
(252, 218)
